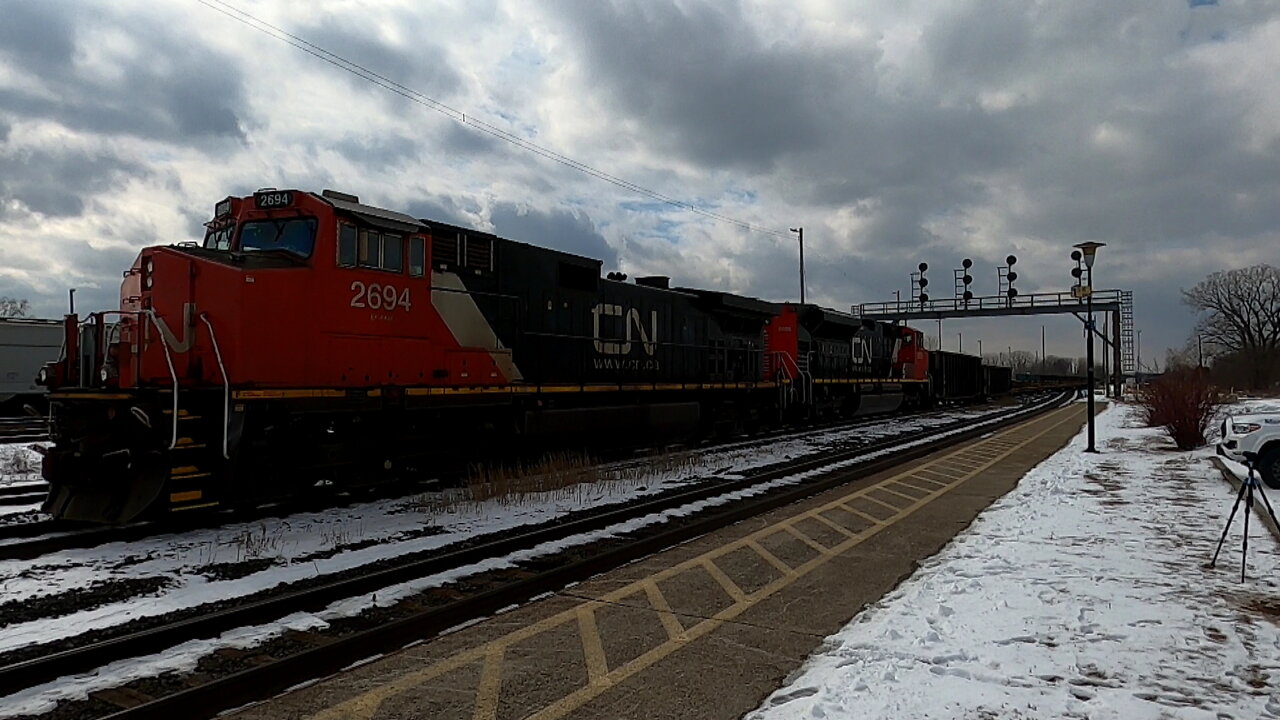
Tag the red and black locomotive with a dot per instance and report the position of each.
(311, 337)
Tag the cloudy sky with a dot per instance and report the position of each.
(894, 132)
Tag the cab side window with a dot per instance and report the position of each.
(417, 256)
(369, 253)
(346, 245)
(393, 252)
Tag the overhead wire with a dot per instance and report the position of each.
(466, 119)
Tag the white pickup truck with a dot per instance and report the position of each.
(1259, 436)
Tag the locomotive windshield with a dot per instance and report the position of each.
(292, 235)
(219, 239)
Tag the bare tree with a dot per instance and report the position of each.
(1240, 316)
(13, 307)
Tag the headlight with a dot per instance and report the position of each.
(102, 374)
(1245, 428)
(150, 266)
(42, 377)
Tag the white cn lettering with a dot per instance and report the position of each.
(604, 346)
(634, 326)
(648, 339)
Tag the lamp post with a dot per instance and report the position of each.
(800, 232)
(1089, 250)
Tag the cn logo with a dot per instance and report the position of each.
(634, 326)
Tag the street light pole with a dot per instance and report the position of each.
(800, 232)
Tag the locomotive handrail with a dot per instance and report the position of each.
(807, 374)
(226, 385)
(173, 442)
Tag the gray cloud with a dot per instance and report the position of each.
(378, 153)
(58, 183)
(570, 232)
(421, 65)
(174, 89)
(38, 34)
(702, 83)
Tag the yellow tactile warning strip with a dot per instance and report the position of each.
(896, 498)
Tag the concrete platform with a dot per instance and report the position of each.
(704, 630)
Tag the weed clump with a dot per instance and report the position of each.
(1184, 403)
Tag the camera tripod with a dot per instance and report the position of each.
(1247, 487)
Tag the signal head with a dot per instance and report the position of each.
(1076, 272)
(1075, 255)
(1013, 276)
(967, 279)
(924, 297)
(924, 282)
(924, 266)
(968, 295)
(1011, 259)
(1013, 292)
(966, 263)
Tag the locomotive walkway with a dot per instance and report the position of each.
(706, 629)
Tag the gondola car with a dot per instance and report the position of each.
(955, 377)
(997, 380)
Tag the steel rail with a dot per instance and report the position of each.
(241, 687)
(31, 541)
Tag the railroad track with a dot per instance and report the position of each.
(22, 494)
(29, 540)
(755, 494)
(25, 429)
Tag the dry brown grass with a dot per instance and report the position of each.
(575, 477)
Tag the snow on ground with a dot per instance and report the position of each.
(183, 560)
(1082, 593)
(202, 566)
(19, 464)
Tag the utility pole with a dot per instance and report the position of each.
(1043, 357)
(800, 231)
(1138, 372)
(960, 340)
(1106, 372)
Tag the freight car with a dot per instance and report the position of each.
(25, 346)
(997, 380)
(955, 377)
(311, 337)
